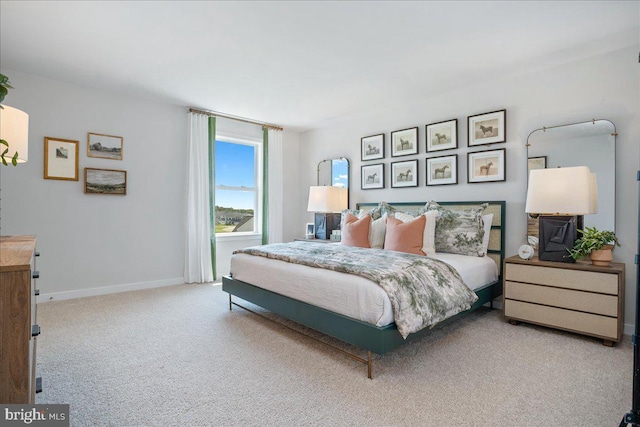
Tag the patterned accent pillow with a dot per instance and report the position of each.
(459, 231)
(384, 208)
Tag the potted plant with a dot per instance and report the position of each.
(597, 245)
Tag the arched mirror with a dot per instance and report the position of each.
(589, 144)
(334, 172)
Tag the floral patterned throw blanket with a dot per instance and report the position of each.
(423, 291)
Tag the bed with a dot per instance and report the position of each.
(355, 316)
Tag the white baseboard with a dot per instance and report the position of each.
(91, 292)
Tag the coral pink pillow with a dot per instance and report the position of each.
(405, 236)
(355, 232)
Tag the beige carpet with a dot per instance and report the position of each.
(176, 356)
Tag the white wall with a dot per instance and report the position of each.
(95, 244)
(90, 241)
(602, 87)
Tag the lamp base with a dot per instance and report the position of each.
(325, 224)
(557, 235)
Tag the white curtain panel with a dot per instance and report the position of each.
(276, 184)
(197, 262)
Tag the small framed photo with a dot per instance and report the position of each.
(442, 135)
(486, 166)
(311, 231)
(105, 181)
(487, 128)
(372, 176)
(537, 162)
(404, 142)
(372, 147)
(61, 159)
(404, 174)
(104, 146)
(442, 170)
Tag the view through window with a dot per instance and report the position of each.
(236, 176)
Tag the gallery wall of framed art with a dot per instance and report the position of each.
(441, 142)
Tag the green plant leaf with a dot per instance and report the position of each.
(4, 142)
(14, 159)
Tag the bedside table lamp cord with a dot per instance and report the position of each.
(633, 417)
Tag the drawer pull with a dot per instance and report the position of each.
(37, 253)
(35, 330)
(35, 275)
(36, 292)
(39, 385)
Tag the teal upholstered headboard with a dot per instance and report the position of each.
(497, 208)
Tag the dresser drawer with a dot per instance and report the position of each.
(592, 324)
(563, 278)
(606, 305)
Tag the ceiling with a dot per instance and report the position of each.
(302, 64)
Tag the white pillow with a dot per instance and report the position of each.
(377, 231)
(429, 235)
(487, 219)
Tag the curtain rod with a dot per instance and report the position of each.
(240, 119)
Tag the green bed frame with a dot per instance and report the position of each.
(374, 339)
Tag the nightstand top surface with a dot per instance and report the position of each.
(578, 265)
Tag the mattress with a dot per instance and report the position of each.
(346, 294)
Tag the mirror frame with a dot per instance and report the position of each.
(342, 159)
(592, 121)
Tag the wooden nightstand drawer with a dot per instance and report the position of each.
(606, 305)
(578, 297)
(564, 278)
(592, 324)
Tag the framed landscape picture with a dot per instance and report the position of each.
(105, 181)
(404, 142)
(372, 147)
(442, 135)
(486, 166)
(404, 174)
(487, 128)
(372, 176)
(61, 159)
(442, 170)
(104, 146)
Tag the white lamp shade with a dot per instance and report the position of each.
(14, 128)
(327, 199)
(562, 191)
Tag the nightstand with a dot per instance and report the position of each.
(580, 297)
(302, 239)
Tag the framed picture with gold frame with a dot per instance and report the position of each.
(61, 158)
(104, 146)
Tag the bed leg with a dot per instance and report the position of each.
(229, 302)
(369, 364)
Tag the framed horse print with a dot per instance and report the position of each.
(404, 174)
(487, 128)
(372, 176)
(372, 147)
(442, 170)
(486, 166)
(442, 136)
(404, 142)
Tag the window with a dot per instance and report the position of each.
(237, 179)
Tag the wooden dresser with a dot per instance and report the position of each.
(18, 328)
(578, 297)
